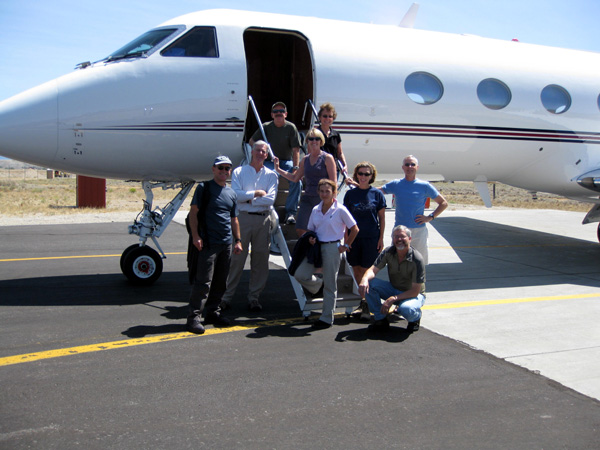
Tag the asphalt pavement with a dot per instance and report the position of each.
(506, 356)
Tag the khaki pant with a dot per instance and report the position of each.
(255, 234)
(331, 266)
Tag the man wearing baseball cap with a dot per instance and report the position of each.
(215, 229)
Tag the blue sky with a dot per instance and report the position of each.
(43, 39)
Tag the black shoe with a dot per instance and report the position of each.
(380, 326)
(217, 320)
(254, 306)
(413, 326)
(194, 325)
(224, 305)
(320, 325)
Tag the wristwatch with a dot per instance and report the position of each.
(432, 216)
(295, 168)
(238, 240)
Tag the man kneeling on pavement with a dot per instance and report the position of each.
(406, 286)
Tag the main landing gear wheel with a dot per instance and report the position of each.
(141, 265)
(598, 232)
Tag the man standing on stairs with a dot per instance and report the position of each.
(256, 189)
(285, 142)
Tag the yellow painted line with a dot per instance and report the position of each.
(509, 300)
(57, 353)
(48, 258)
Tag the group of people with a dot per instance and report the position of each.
(225, 222)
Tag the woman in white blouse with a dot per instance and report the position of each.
(329, 221)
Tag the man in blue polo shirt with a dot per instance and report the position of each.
(411, 195)
(214, 234)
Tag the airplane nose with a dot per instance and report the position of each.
(29, 125)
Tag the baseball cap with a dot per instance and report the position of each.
(278, 104)
(222, 160)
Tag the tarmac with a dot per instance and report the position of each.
(508, 354)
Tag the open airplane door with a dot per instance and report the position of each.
(280, 68)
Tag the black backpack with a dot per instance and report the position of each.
(192, 253)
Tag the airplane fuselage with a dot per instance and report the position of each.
(164, 118)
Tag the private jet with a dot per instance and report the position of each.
(159, 109)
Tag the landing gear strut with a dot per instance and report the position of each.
(141, 264)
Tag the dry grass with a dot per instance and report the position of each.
(463, 193)
(26, 192)
(21, 196)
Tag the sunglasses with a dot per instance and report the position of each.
(313, 138)
(410, 165)
(277, 111)
(363, 174)
(228, 168)
(325, 116)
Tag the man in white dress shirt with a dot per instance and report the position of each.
(256, 189)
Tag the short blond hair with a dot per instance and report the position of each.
(316, 133)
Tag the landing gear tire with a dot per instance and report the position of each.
(141, 265)
(124, 255)
(598, 232)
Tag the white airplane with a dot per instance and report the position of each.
(162, 107)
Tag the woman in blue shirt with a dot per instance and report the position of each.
(367, 206)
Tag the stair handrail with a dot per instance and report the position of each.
(277, 232)
(260, 126)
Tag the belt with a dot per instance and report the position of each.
(330, 242)
(257, 213)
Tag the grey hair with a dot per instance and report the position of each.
(411, 157)
(402, 228)
(259, 143)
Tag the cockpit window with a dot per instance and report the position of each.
(143, 44)
(200, 42)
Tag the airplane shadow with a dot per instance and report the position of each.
(498, 256)
(490, 256)
(86, 290)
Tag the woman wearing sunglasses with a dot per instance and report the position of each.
(315, 166)
(367, 206)
(333, 140)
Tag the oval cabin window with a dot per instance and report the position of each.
(493, 94)
(556, 99)
(423, 88)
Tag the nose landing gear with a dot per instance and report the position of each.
(142, 265)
